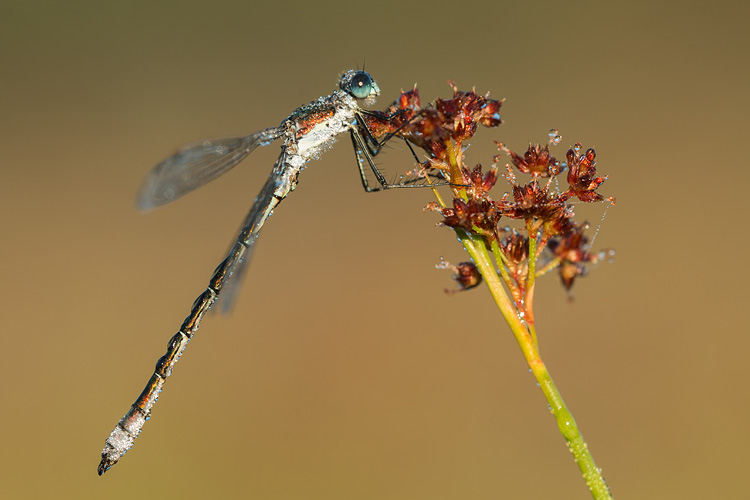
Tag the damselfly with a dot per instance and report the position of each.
(306, 133)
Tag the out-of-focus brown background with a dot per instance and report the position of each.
(345, 372)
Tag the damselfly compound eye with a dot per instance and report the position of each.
(361, 85)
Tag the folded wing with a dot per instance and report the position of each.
(197, 165)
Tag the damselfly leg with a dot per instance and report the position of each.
(366, 147)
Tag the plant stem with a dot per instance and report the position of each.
(477, 247)
(501, 263)
(565, 421)
(530, 282)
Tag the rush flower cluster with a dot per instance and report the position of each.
(511, 239)
(443, 127)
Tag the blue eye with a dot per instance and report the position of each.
(361, 85)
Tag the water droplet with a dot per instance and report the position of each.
(554, 137)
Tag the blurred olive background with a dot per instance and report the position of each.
(345, 372)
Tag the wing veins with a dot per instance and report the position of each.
(197, 165)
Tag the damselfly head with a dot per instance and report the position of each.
(359, 84)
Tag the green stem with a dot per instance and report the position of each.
(455, 172)
(502, 263)
(530, 282)
(552, 265)
(565, 421)
(477, 248)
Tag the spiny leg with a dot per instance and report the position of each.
(361, 146)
